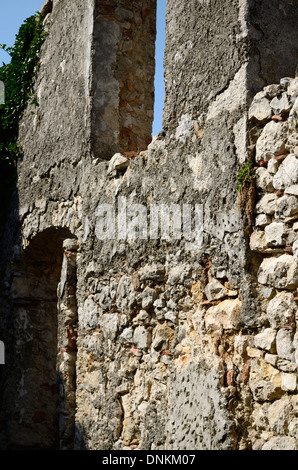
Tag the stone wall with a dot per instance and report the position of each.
(176, 341)
(123, 76)
(273, 351)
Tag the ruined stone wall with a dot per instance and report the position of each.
(168, 334)
(123, 76)
(272, 350)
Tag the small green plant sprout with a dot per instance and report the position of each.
(245, 176)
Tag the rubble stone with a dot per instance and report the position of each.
(287, 174)
(281, 272)
(260, 108)
(281, 309)
(272, 141)
(266, 204)
(275, 234)
(286, 206)
(225, 315)
(266, 340)
(284, 344)
(264, 180)
(280, 443)
(265, 381)
(280, 104)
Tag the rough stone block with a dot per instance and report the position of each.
(281, 310)
(142, 337)
(266, 340)
(289, 382)
(260, 109)
(264, 180)
(281, 272)
(258, 241)
(295, 250)
(280, 104)
(279, 415)
(286, 206)
(215, 290)
(152, 272)
(280, 443)
(262, 220)
(287, 174)
(275, 234)
(284, 344)
(272, 141)
(266, 205)
(225, 315)
(264, 381)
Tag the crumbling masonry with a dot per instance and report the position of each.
(155, 343)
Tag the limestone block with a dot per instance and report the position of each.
(271, 359)
(125, 294)
(215, 290)
(88, 314)
(272, 166)
(295, 250)
(292, 190)
(293, 127)
(280, 443)
(272, 141)
(152, 272)
(257, 241)
(103, 297)
(162, 337)
(171, 316)
(292, 237)
(272, 90)
(144, 316)
(147, 297)
(260, 109)
(279, 415)
(253, 352)
(293, 90)
(178, 274)
(280, 104)
(127, 335)
(281, 310)
(286, 206)
(293, 428)
(159, 303)
(265, 381)
(289, 382)
(225, 315)
(264, 180)
(266, 204)
(275, 234)
(287, 174)
(142, 337)
(284, 344)
(262, 220)
(109, 325)
(117, 163)
(281, 272)
(266, 340)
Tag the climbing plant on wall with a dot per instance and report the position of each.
(18, 78)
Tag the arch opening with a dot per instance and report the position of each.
(43, 382)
